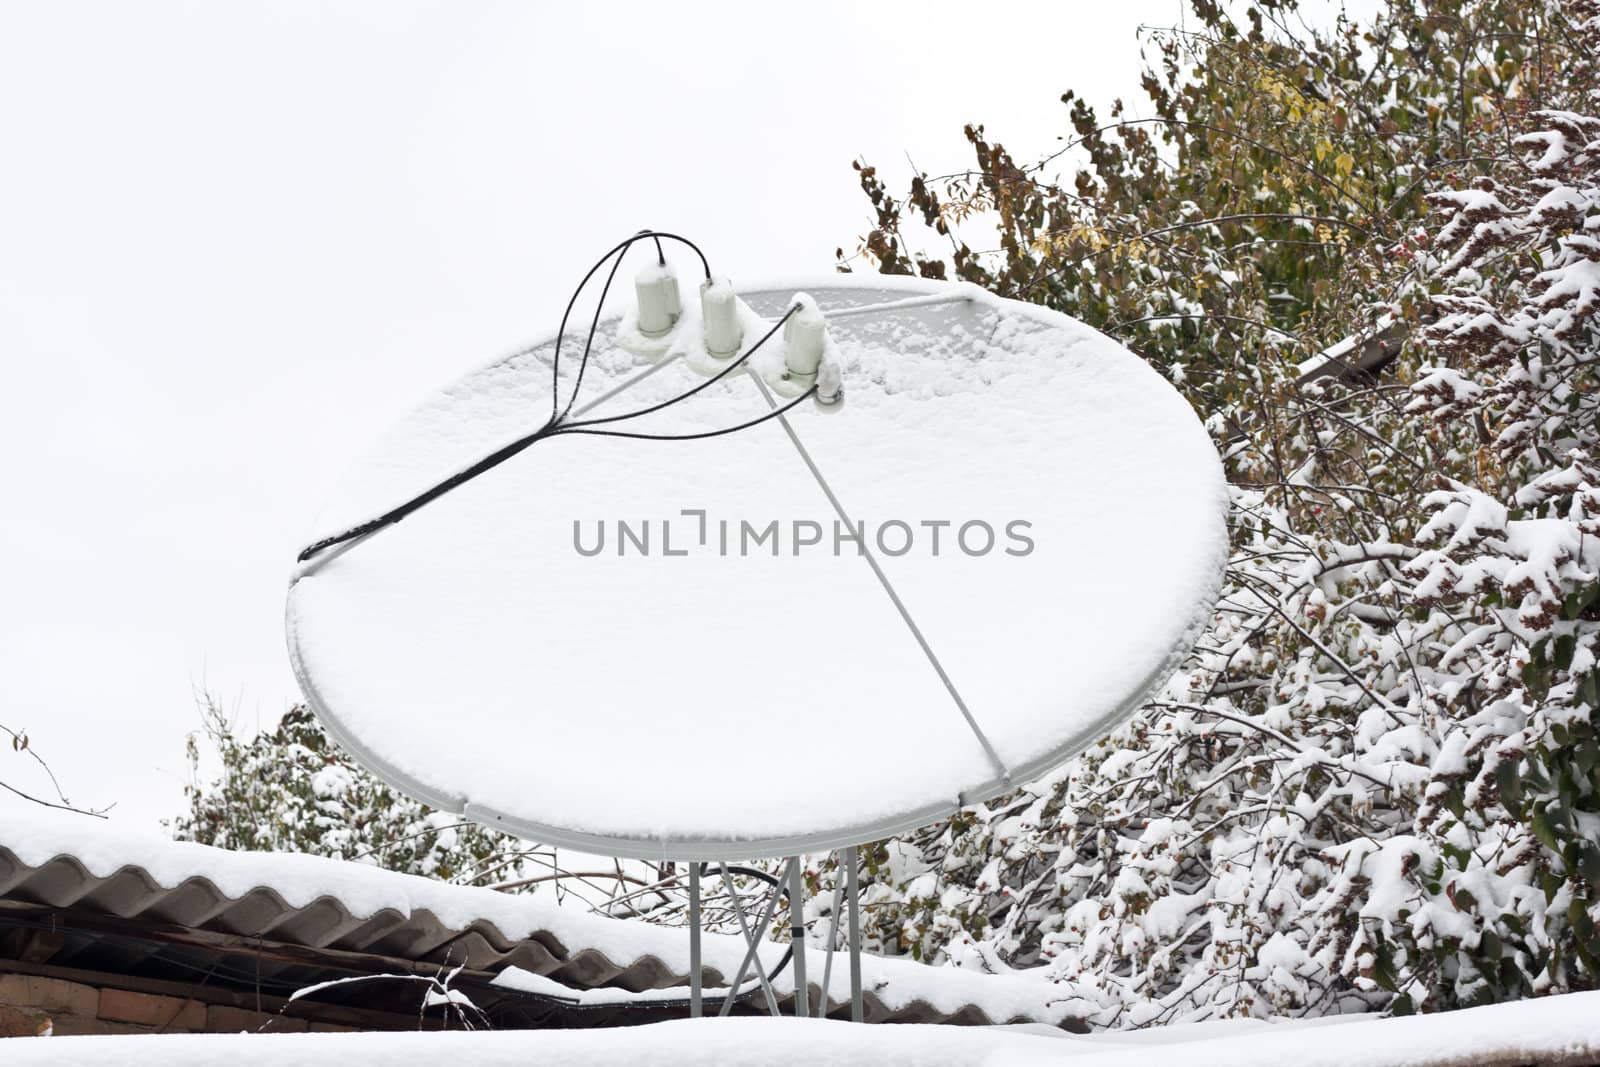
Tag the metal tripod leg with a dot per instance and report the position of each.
(797, 935)
(846, 887)
(752, 939)
(694, 942)
(853, 892)
(833, 945)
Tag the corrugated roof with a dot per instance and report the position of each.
(159, 888)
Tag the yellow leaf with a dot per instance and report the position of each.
(1346, 163)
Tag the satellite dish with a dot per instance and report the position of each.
(829, 627)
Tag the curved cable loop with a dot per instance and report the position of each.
(555, 425)
(584, 428)
(619, 250)
(732, 366)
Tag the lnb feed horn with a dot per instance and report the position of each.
(656, 288)
(719, 312)
(805, 339)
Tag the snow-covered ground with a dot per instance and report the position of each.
(1553, 1031)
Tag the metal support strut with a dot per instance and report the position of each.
(797, 935)
(846, 902)
(846, 896)
(853, 892)
(694, 942)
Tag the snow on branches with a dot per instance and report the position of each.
(1377, 782)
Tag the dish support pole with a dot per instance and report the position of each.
(853, 892)
(797, 938)
(696, 993)
(846, 899)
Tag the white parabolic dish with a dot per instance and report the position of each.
(770, 698)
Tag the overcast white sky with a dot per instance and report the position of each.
(236, 240)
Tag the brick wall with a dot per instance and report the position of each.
(32, 1005)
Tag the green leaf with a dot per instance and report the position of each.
(1512, 979)
(1540, 824)
(1566, 644)
(1579, 600)
(1534, 778)
(1589, 689)
(1383, 969)
(1536, 680)
(1586, 755)
(1590, 964)
(1510, 781)
(1578, 916)
(1589, 863)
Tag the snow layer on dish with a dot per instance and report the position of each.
(1064, 508)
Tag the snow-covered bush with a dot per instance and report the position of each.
(1494, 892)
(1374, 784)
(291, 789)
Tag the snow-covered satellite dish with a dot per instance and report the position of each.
(820, 630)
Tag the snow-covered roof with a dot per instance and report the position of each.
(1553, 1032)
(74, 862)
